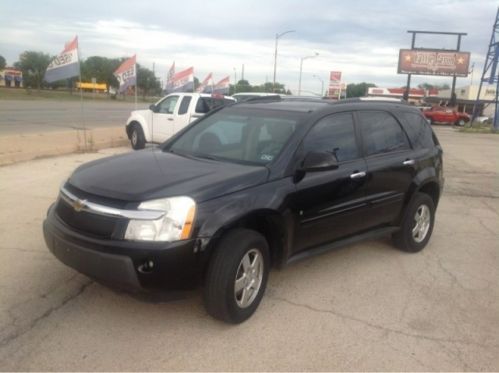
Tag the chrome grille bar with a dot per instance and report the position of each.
(94, 208)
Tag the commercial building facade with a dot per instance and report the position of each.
(11, 78)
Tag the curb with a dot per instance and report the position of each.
(25, 147)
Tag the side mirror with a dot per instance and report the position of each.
(319, 161)
(153, 108)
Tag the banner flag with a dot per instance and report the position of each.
(65, 65)
(207, 84)
(127, 74)
(183, 81)
(222, 87)
(169, 78)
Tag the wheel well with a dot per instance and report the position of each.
(432, 190)
(270, 225)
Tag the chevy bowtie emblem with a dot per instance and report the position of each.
(79, 204)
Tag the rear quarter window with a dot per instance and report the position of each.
(418, 130)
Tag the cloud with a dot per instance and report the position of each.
(360, 38)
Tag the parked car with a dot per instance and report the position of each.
(440, 114)
(248, 187)
(169, 115)
(483, 120)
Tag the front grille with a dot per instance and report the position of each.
(97, 225)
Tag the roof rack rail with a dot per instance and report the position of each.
(387, 100)
(275, 97)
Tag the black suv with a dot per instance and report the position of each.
(248, 187)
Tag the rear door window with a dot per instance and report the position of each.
(184, 105)
(381, 133)
(417, 128)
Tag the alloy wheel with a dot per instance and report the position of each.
(422, 219)
(249, 277)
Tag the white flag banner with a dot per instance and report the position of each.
(127, 74)
(65, 65)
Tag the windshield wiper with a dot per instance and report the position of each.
(206, 156)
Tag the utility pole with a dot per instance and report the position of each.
(490, 72)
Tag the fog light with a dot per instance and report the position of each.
(146, 267)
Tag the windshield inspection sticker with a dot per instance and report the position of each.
(266, 157)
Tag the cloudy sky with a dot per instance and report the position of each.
(359, 38)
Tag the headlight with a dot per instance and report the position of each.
(176, 224)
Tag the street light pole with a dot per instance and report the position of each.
(277, 36)
(322, 85)
(301, 68)
(235, 80)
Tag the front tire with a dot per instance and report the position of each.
(237, 276)
(417, 224)
(137, 138)
(460, 123)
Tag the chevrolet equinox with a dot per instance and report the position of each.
(248, 187)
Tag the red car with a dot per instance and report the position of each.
(439, 114)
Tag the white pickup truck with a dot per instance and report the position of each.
(169, 115)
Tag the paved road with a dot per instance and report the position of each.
(22, 116)
(364, 307)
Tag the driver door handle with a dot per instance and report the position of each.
(409, 162)
(170, 119)
(357, 175)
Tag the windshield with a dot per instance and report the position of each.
(244, 136)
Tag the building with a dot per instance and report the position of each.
(466, 96)
(11, 77)
(417, 96)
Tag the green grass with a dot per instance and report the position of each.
(476, 127)
(58, 95)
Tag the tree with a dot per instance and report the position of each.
(358, 90)
(33, 65)
(243, 86)
(269, 87)
(102, 69)
(147, 82)
(3, 63)
(434, 86)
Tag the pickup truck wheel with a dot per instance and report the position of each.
(237, 276)
(417, 224)
(137, 138)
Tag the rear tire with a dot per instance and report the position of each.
(137, 138)
(417, 224)
(237, 276)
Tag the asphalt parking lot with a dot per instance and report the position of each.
(364, 307)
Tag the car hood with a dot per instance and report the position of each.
(150, 174)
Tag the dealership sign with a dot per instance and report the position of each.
(433, 62)
(334, 77)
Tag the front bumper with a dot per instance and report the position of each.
(120, 263)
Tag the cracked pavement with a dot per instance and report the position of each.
(363, 307)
